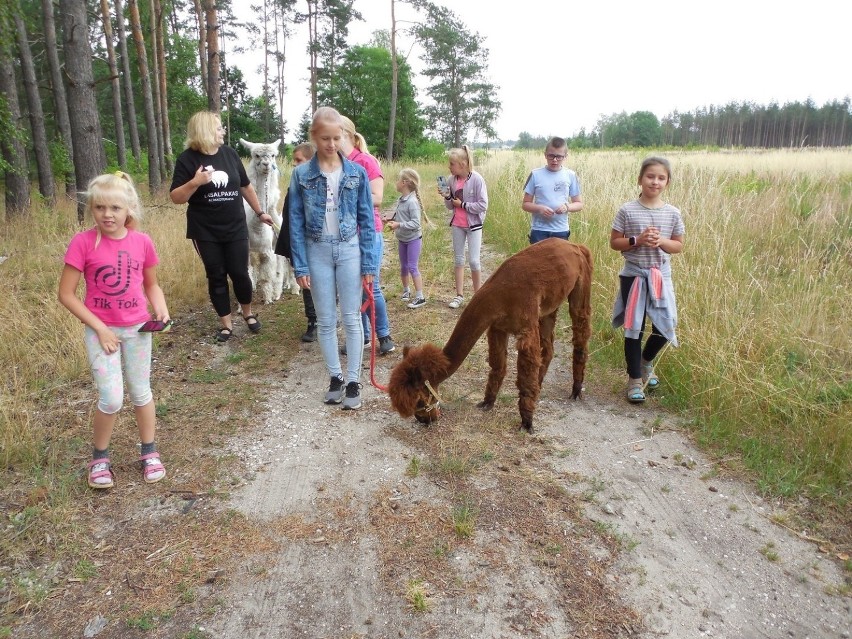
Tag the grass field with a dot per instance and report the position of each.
(762, 375)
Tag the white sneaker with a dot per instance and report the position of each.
(417, 303)
(457, 301)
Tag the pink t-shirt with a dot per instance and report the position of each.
(371, 166)
(459, 214)
(113, 273)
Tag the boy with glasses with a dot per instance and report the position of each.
(550, 194)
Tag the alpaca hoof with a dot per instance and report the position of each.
(576, 390)
(527, 426)
(485, 405)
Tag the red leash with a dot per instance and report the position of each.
(370, 303)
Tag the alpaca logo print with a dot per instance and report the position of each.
(114, 280)
(220, 178)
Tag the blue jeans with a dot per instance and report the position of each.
(382, 323)
(537, 236)
(335, 268)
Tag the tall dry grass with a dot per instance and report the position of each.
(763, 369)
(763, 298)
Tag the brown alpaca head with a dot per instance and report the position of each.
(407, 388)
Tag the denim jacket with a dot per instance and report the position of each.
(307, 212)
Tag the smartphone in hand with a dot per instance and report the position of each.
(155, 326)
(442, 185)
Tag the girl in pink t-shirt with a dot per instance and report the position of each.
(119, 267)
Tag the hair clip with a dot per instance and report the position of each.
(121, 174)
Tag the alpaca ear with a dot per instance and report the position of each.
(405, 351)
(275, 144)
(247, 144)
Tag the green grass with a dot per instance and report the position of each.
(464, 519)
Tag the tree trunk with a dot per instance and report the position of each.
(202, 44)
(13, 150)
(394, 85)
(164, 95)
(86, 134)
(60, 101)
(155, 90)
(148, 101)
(214, 93)
(313, 49)
(46, 185)
(280, 57)
(132, 125)
(115, 80)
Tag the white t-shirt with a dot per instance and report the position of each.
(332, 223)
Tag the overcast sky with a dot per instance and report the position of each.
(561, 65)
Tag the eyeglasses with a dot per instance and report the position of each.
(553, 156)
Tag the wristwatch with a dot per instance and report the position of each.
(632, 240)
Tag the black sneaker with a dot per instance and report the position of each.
(311, 333)
(386, 345)
(335, 391)
(417, 302)
(353, 396)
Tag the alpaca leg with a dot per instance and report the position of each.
(252, 271)
(497, 347)
(580, 308)
(279, 263)
(529, 363)
(545, 335)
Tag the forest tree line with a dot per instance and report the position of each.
(793, 125)
(91, 84)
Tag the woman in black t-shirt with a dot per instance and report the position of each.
(211, 179)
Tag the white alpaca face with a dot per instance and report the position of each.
(263, 157)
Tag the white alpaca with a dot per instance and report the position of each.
(267, 270)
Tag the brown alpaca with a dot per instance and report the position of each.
(521, 298)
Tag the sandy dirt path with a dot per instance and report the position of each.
(700, 556)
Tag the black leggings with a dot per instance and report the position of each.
(221, 261)
(633, 352)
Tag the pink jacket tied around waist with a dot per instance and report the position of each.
(651, 294)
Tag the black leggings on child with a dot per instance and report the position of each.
(221, 261)
(633, 352)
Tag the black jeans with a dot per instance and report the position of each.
(633, 352)
(223, 260)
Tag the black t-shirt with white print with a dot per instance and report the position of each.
(215, 211)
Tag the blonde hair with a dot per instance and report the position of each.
(412, 179)
(201, 132)
(325, 115)
(106, 189)
(464, 155)
(356, 138)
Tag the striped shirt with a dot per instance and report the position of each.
(633, 218)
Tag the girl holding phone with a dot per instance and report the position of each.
(119, 267)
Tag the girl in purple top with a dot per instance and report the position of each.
(119, 267)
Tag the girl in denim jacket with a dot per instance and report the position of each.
(332, 236)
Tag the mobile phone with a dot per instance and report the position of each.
(155, 326)
(442, 183)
